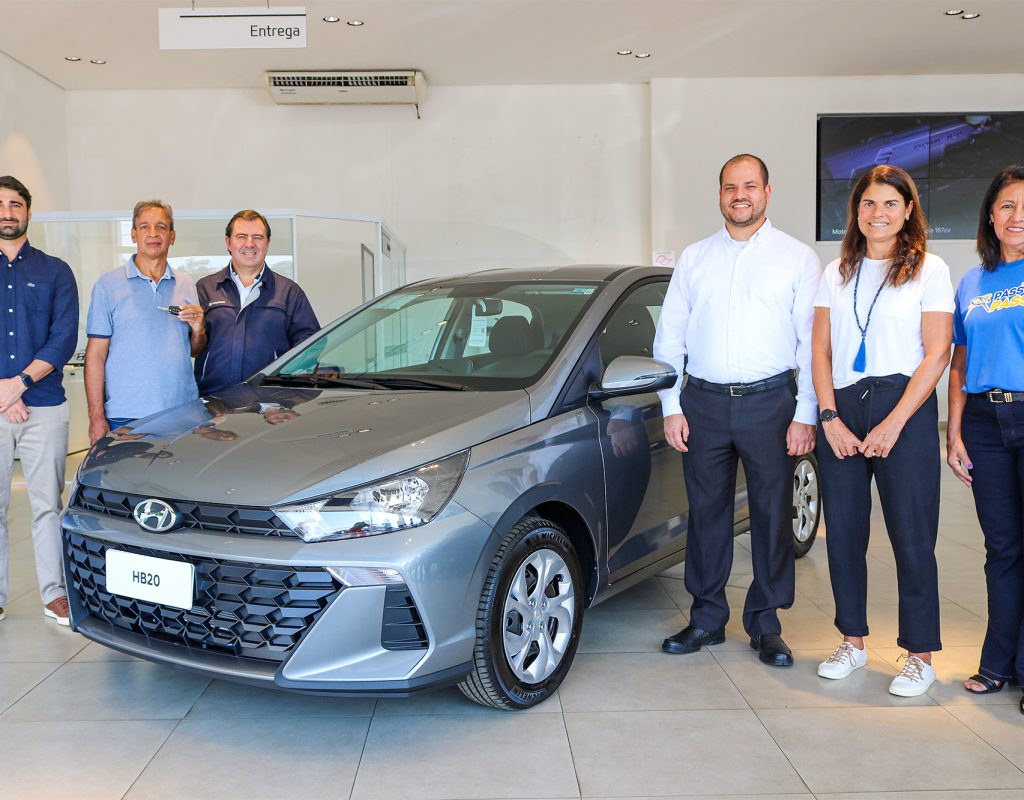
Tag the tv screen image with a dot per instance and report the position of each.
(952, 158)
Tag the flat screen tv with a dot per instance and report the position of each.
(952, 158)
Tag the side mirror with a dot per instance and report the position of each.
(633, 375)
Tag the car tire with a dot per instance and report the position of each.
(526, 633)
(806, 504)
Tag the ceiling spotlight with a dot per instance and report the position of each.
(72, 58)
(972, 15)
(954, 12)
(97, 61)
(624, 52)
(355, 23)
(643, 55)
(332, 19)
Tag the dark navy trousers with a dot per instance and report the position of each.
(993, 434)
(752, 430)
(908, 487)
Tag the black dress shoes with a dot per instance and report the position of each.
(772, 650)
(691, 639)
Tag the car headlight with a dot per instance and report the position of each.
(403, 501)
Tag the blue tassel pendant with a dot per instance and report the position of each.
(860, 363)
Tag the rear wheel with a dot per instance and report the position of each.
(529, 618)
(806, 504)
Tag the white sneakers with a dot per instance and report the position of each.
(842, 662)
(914, 679)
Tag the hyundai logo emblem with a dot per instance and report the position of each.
(156, 515)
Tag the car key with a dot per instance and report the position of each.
(170, 309)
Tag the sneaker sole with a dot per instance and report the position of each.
(64, 621)
(844, 675)
(910, 693)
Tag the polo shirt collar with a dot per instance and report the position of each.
(132, 271)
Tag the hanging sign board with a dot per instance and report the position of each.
(232, 28)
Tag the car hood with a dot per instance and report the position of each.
(266, 445)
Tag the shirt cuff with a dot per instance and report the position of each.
(806, 412)
(670, 403)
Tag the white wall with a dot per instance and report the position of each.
(32, 135)
(696, 124)
(490, 176)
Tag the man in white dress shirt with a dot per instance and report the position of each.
(738, 317)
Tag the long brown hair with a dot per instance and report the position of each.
(908, 251)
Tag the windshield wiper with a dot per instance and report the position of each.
(317, 381)
(405, 382)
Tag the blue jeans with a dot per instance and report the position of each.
(993, 434)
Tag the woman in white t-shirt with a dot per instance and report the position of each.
(882, 331)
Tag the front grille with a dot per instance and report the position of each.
(197, 516)
(249, 610)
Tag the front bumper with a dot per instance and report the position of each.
(268, 611)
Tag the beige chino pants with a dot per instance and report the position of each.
(42, 443)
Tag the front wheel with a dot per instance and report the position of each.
(806, 504)
(529, 618)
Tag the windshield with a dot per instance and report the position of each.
(486, 336)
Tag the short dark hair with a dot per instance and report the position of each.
(12, 183)
(249, 216)
(988, 243)
(744, 157)
(145, 205)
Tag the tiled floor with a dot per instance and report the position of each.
(79, 721)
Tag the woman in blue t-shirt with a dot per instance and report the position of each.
(986, 419)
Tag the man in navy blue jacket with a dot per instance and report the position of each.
(38, 333)
(253, 315)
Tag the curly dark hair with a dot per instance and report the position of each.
(908, 251)
(988, 243)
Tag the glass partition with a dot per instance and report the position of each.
(340, 261)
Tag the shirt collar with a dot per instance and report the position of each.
(132, 271)
(757, 234)
(235, 277)
(25, 251)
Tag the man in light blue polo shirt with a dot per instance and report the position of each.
(138, 358)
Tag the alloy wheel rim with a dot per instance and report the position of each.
(806, 500)
(538, 616)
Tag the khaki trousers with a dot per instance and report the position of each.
(42, 443)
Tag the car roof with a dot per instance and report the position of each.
(578, 272)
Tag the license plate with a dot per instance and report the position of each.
(155, 580)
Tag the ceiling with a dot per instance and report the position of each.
(528, 41)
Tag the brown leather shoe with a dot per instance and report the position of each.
(2, 614)
(59, 610)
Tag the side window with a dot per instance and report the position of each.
(630, 329)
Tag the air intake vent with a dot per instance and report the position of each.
(393, 87)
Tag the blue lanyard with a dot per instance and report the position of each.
(860, 361)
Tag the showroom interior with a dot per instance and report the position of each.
(549, 133)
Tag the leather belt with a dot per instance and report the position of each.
(742, 389)
(999, 396)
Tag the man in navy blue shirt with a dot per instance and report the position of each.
(38, 333)
(253, 315)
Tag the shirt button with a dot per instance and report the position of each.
(11, 333)
(10, 311)
(12, 356)
(9, 286)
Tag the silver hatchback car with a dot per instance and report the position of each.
(430, 491)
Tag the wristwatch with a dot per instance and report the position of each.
(827, 415)
(26, 379)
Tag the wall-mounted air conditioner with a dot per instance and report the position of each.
(342, 86)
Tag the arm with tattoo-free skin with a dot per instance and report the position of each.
(840, 438)
(95, 381)
(956, 453)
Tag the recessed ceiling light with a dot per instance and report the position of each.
(355, 23)
(72, 58)
(97, 61)
(624, 52)
(954, 12)
(643, 55)
(332, 19)
(972, 15)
